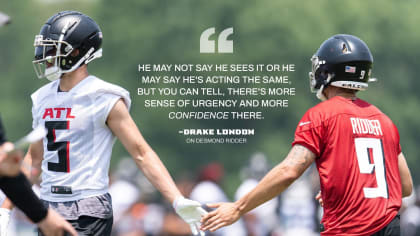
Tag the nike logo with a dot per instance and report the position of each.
(304, 123)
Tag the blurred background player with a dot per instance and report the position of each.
(131, 193)
(4, 19)
(263, 220)
(83, 115)
(410, 217)
(356, 147)
(149, 214)
(297, 207)
(126, 187)
(208, 190)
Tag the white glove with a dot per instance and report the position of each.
(191, 212)
(4, 221)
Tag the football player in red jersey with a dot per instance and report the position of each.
(355, 146)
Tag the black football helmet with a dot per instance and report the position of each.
(58, 40)
(342, 61)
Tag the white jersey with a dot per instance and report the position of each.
(78, 146)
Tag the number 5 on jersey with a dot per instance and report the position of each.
(62, 148)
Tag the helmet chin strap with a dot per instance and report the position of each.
(319, 94)
(54, 72)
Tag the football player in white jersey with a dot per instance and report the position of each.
(83, 115)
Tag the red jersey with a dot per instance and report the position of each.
(357, 148)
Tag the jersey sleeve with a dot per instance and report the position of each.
(104, 103)
(106, 96)
(309, 132)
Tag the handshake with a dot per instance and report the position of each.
(225, 213)
(191, 212)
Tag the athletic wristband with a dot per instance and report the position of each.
(19, 191)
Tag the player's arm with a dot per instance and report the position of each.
(34, 158)
(275, 182)
(9, 160)
(406, 181)
(12, 163)
(9, 166)
(123, 126)
(18, 188)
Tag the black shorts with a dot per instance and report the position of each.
(91, 226)
(392, 229)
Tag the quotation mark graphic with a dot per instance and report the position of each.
(223, 44)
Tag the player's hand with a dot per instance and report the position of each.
(4, 221)
(10, 160)
(191, 212)
(225, 214)
(55, 225)
(319, 198)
